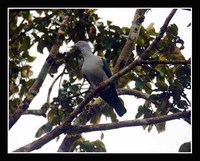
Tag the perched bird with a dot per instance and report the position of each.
(96, 70)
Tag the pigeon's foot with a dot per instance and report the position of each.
(92, 89)
(101, 84)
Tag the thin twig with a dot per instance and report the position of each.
(173, 62)
(35, 112)
(50, 88)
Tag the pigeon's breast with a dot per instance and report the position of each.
(93, 70)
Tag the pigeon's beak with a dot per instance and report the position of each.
(75, 47)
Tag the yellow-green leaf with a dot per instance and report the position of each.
(161, 85)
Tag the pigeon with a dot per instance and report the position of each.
(95, 70)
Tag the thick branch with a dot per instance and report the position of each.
(33, 91)
(88, 128)
(131, 40)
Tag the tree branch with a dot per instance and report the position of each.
(131, 40)
(33, 91)
(131, 123)
(50, 88)
(67, 144)
(160, 35)
(164, 62)
(35, 112)
(136, 93)
(88, 128)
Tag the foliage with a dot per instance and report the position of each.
(185, 147)
(166, 84)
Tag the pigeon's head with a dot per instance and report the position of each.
(83, 46)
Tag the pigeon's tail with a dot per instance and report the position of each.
(110, 96)
(119, 107)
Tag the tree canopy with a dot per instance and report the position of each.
(145, 64)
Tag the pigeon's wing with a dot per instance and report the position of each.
(106, 68)
(87, 79)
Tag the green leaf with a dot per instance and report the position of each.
(151, 29)
(176, 54)
(143, 110)
(140, 112)
(95, 119)
(116, 28)
(182, 104)
(26, 71)
(13, 88)
(172, 29)
(150, 128)
(139, 84)
(160, 127)
(41, 45)
(99, 146)
(27, 56)
(40, 132)
(45, 107)
(26, 14)
(140, 41)
(19, 29)
(79, 100)
(139, 50)
(102, 135)
(162, 69)
(153, 97)
(109, 23)
(186, 81)
(41, 28)
(30, 82)
(161, 85)
(185, 147)
(73, 88)
(50, 116)
(43, 129)
(26, 44)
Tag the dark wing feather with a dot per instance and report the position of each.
(87, 79)
(106, 68)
